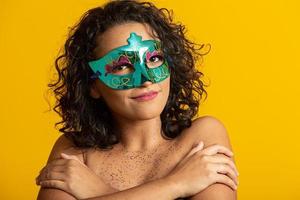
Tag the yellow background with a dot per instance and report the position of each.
(253, 69)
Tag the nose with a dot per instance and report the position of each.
(146, 83)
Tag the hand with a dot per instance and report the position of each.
(70, 174)
(204, 167)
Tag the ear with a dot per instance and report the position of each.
(94, 92)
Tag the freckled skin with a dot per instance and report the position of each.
(123, 170)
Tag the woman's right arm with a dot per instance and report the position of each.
(63, 145)
(164, 189)
(52, 193)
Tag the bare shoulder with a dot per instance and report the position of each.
(211, 131)
(65, 145)
(61, 145)
(208, 129)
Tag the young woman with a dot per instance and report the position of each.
(128, 93)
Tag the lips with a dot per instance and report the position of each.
(145, 94)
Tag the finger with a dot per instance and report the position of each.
(219, 158)
(226, 170)
(54, 184)
(221, 178)
(52, 176)
(216, 148)
(57, 168)
(194, 149)
(49, 169)
(59, 161)
(71, 157)
(54, 165)
(43, 171)
(67, 156)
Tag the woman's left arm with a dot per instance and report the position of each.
(212, 131)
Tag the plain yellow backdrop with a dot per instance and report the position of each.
(252, 69)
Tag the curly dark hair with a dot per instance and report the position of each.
(81, 120)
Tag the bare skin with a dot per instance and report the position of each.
(143, 154)
(122, 169)
(206, 129)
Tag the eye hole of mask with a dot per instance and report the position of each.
(154, 59)
(120, 67)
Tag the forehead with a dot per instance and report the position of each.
(117, 36)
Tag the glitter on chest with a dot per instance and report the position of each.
(129, 169)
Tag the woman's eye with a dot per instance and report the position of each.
(123, 69)
(155, 61)
(118, 68)
(156, 58)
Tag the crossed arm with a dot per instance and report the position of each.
(212, 131)
(207, 129)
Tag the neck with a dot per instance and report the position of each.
(140, 135)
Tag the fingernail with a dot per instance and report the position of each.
(66, 155)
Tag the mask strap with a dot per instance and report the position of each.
(95, 75)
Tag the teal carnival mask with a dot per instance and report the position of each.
(129, 66)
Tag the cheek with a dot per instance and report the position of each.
(117, 104)
(165, 86)
(115, 99)
(165, 89)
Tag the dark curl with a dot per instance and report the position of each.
(88, 121)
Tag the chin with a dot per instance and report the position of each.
(146, 116)
(148, 113)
